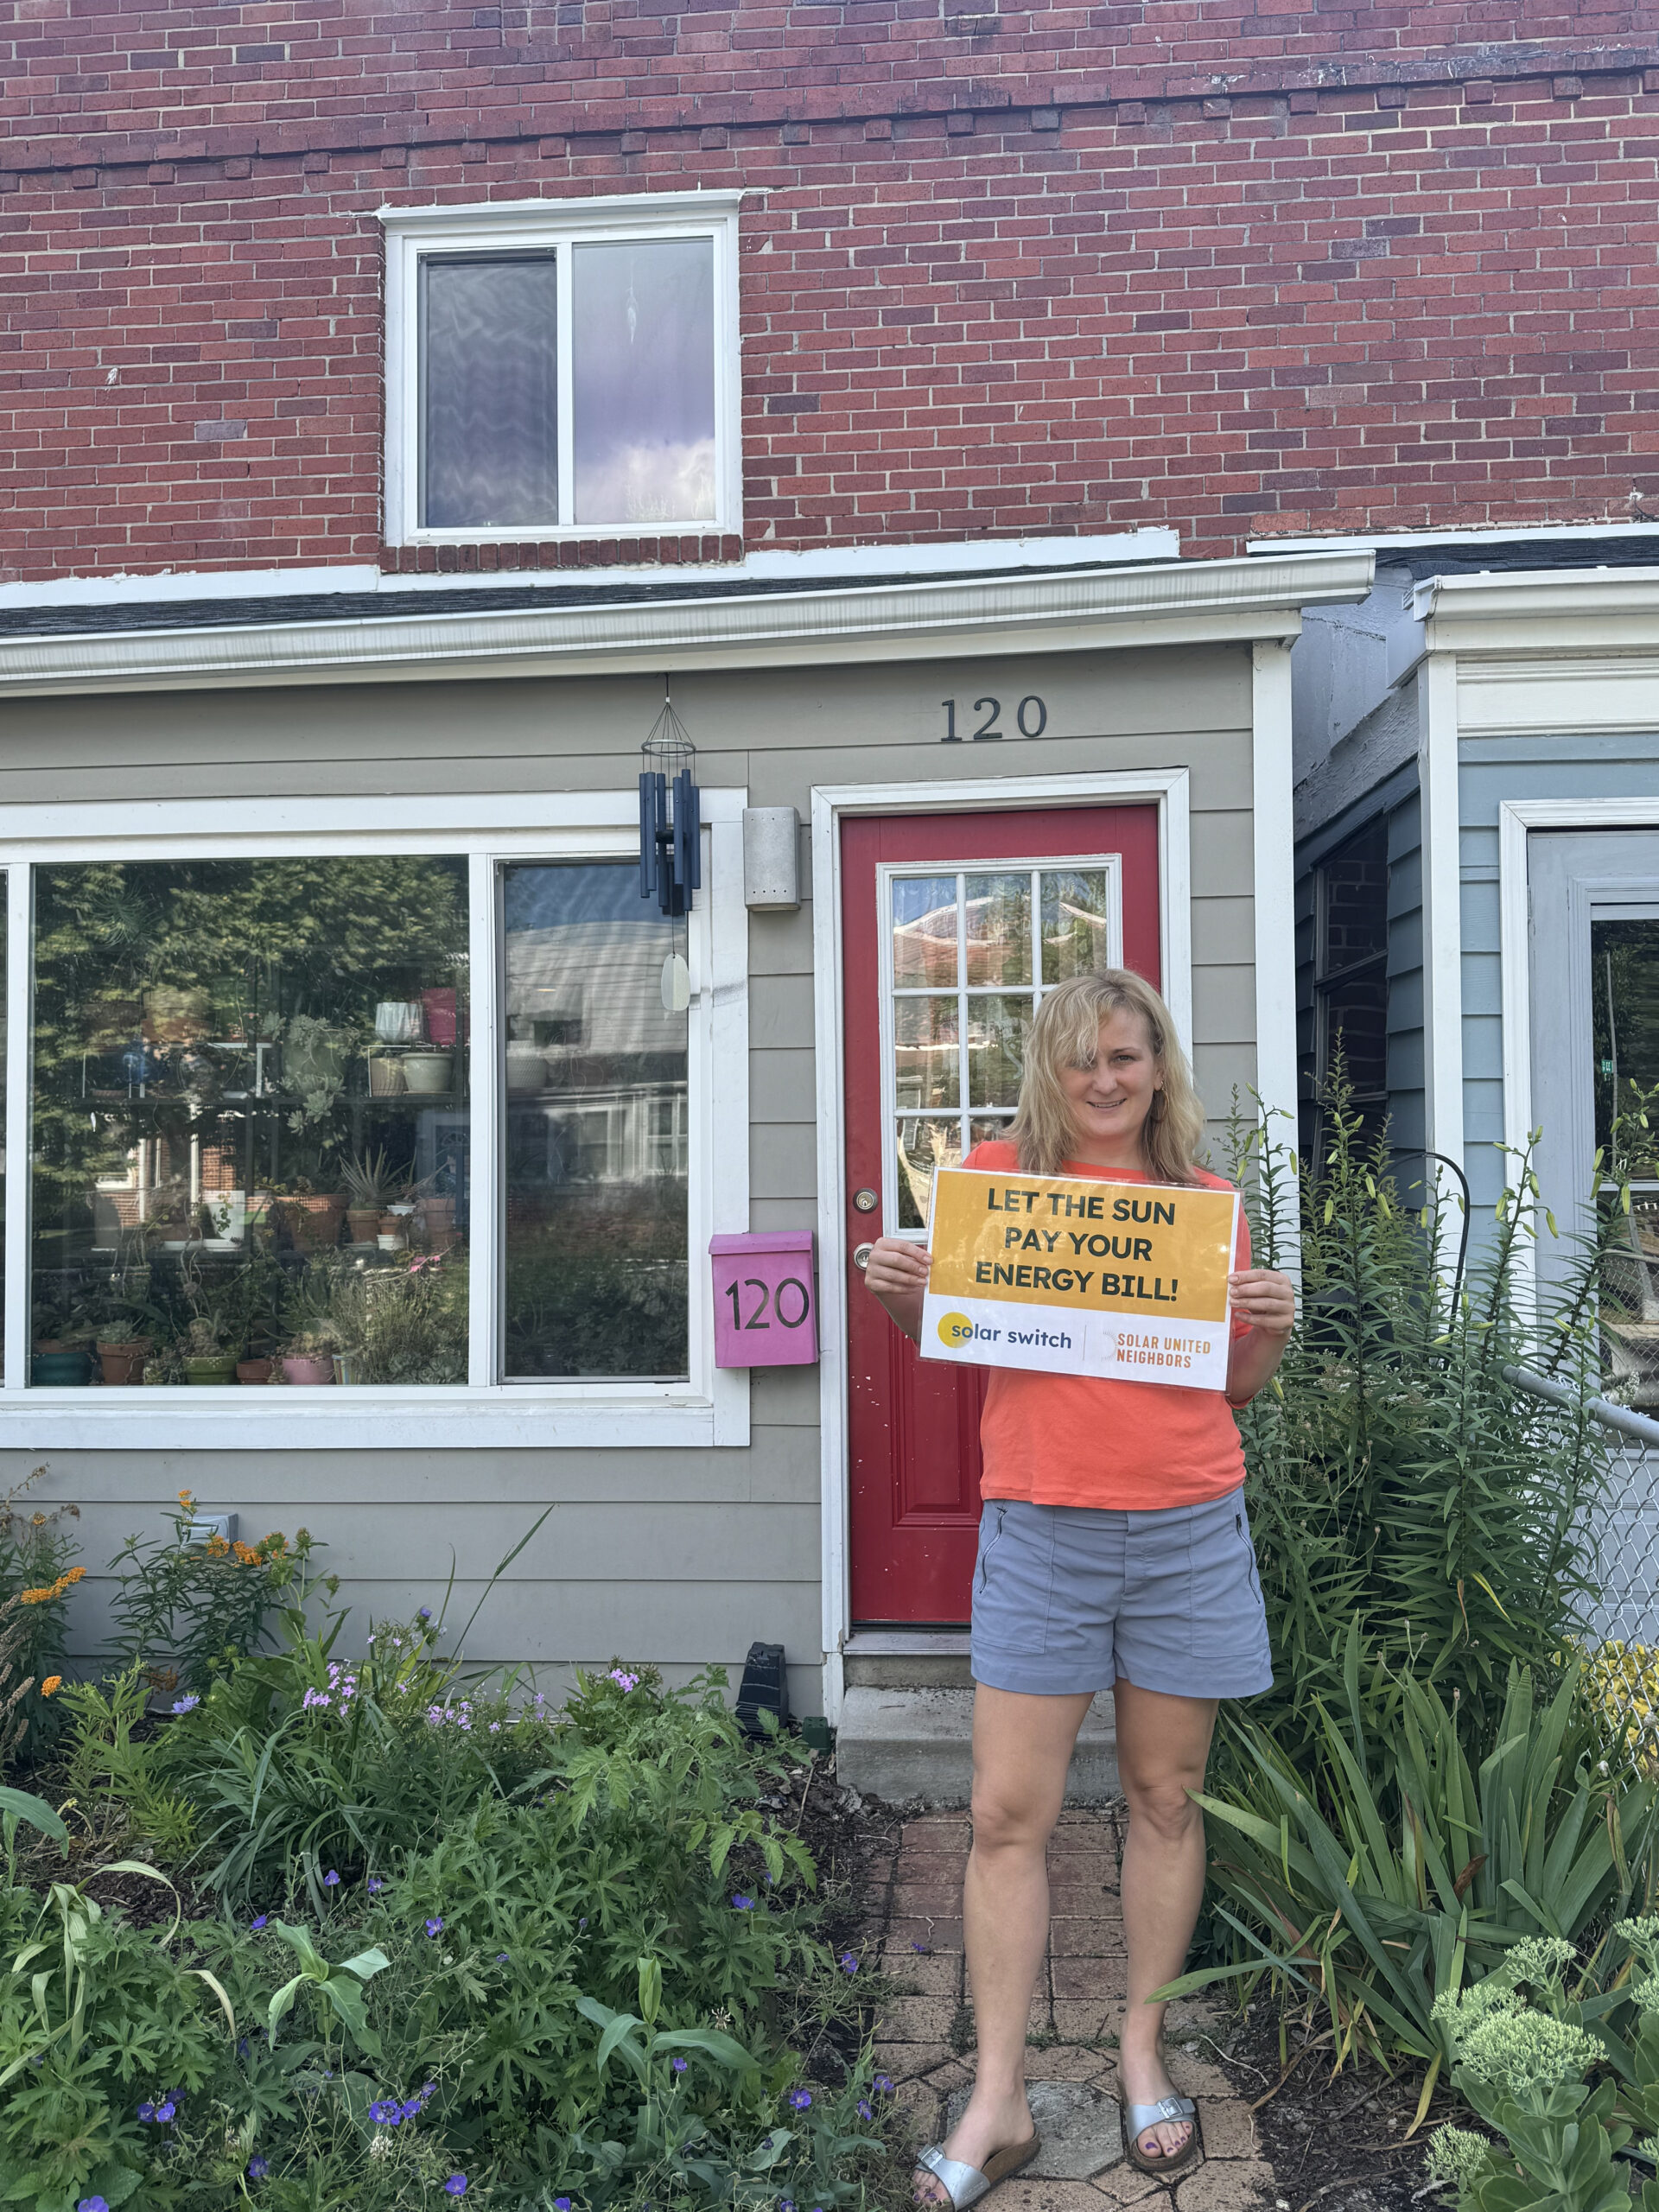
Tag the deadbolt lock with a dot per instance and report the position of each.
(866, 1201)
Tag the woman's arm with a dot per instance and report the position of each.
(896, 1276)
(1268, 1301)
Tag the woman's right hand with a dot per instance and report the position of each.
(895, 1267)
(896, 1275)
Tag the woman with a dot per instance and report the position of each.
(1113, 1549)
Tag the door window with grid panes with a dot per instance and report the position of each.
(967, 954)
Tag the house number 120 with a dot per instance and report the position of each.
(1030, 718)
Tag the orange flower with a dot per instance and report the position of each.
(187, 1500)
(52, 1683)
(246, 1553)
(74, 1575)
(48, 1593)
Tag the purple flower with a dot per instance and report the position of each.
(331, 1881)
(800, 2098)
(146, 2113)
(375, 1885)
(502, 1958)
(884, 2085)
(624, 1681)
(561, 2204)
(413, 2109)
(257, 2169)
(849, 1963)
(92, 2204)
(187, 1704)
(922, 1947)
(865, 2111)
(385, 2112)
(456, 2186)
(743, 1904)
(786, 2204)
(435, 1927)
(164, 2112)
(258, 1921)
(678, 2065)
(426, 1615)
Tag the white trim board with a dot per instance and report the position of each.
(1383, 542)
(711, 1407)
(1516, 818)
(768, 564)
(1274, 892)
(1168, 789)
(1172, 603)
(1439, 800)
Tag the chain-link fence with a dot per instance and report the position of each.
(1623, 1539)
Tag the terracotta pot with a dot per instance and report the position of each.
(254, 1370)
(363, 1223)
(307, 1367)
(313, 1221)
(122, 1362)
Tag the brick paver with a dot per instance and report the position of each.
(924, 2030)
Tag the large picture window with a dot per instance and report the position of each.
(562, 368)
(419, 1120)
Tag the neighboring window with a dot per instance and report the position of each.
(970, 956)
(562, 368)
(1625, 1039)
(596, 1129)
(1350, 978)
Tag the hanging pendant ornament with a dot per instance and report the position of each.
(670, 845)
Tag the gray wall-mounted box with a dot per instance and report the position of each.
(771, 859)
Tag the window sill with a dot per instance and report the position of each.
(517, 1417)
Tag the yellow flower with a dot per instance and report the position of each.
(52, 1683)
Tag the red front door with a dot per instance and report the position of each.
(953, 925)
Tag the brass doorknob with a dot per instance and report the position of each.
(861, 1256)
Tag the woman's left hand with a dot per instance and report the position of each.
(1265, 1298)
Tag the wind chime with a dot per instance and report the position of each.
(671, 842)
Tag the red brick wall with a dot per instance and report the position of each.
(1066, 269)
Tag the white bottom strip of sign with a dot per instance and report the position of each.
(1058, 1340)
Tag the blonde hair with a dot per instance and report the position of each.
(1066, 1033)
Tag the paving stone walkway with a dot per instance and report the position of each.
(925, 2034)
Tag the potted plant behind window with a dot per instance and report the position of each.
(62, 1335)
(254, 1300)
(128, 1324)
(313, 1335)
(311, 1218)
(371, 1187)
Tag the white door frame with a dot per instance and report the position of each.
(1168, 789)
(1516, 818)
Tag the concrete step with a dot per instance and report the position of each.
(907, 1743)
(906, 1659)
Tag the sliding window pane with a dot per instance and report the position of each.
(489, 391)
(597, 1141)
(642, 354)
(251, 1138)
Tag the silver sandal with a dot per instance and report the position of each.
(1166, 2110)
(965, 2185)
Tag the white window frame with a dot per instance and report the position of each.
(711, 1407)
(891, 871)
(540, 226)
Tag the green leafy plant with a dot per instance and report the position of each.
(37, 1546)
(1525, 2052)
(1397, 1482)
(1369, 1884)
(185, 1605)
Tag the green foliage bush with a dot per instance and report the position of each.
(564, 1959)
(1397, 1484)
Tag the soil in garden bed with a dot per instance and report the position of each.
(1336, 2142)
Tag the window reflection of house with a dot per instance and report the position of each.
(586, 991)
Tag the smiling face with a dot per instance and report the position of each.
(1110, 1099)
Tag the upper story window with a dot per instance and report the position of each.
(563, 369)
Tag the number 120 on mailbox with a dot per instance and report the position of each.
(766, 1308)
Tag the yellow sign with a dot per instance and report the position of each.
(1078, 1275)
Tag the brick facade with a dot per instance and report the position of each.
(1040, 270)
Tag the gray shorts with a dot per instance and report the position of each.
(1074, 1598)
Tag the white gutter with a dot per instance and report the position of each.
(1177, 602)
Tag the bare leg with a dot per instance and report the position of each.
(1162, 1744)
(1022, 1747)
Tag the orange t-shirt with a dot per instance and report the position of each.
(1082, 1439)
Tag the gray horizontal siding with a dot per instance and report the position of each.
(677, 1556)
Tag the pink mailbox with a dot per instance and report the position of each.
(766, 1307)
